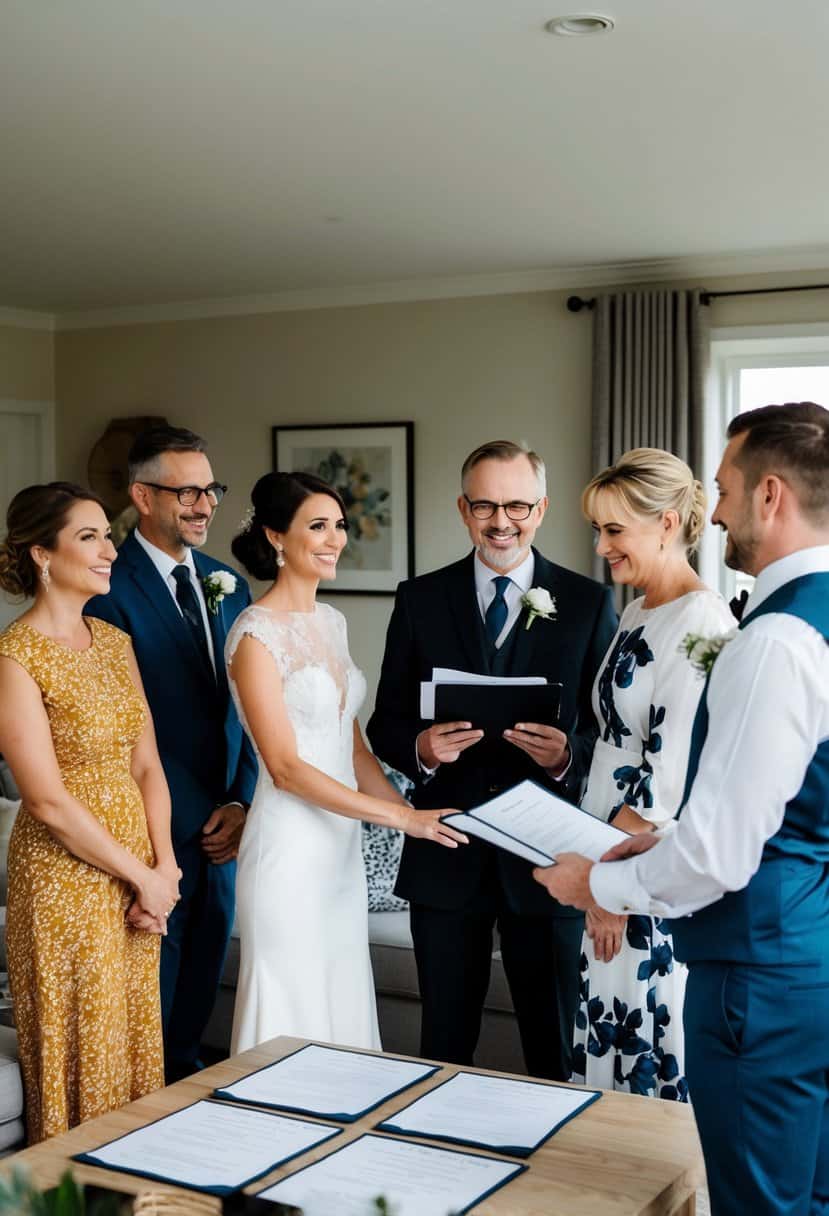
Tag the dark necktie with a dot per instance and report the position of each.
(189, 605)
(496, 613)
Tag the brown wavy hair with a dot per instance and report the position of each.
(35, 517)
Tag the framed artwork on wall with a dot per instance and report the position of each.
(371, 465)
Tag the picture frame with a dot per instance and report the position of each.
(371, 464)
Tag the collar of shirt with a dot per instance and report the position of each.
(164, 564)
(793, 565)
(520, 582)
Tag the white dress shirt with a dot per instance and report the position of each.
(521, 579)
(165, 565)
(768, 705)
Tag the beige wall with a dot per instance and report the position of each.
(513, 366)
(27, 365)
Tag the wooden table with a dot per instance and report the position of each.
(623, 1156)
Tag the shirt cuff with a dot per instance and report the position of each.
(426, 773)
(615, 887)
(560, 776)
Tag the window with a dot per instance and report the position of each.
(749, 367)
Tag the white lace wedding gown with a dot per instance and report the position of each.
(300, 886)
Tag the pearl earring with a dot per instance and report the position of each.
(280, 556)
(44, 575)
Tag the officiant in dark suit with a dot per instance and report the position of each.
(177, 605)
(470, 616)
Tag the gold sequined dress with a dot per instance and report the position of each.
(84, 984)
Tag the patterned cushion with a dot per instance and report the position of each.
(381, 856)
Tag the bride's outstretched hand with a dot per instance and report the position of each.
(427, 826)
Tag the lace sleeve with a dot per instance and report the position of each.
(256, 623)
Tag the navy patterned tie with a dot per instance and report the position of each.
(496, 613)
(189, 605)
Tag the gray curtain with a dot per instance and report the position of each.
(650, 359)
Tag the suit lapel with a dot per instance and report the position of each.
(149, 584)
(533, 646)
(218, 626)
(462, 603)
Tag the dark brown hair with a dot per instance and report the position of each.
(276, 498)
(35, 517)
(792, 441)
(149, 445)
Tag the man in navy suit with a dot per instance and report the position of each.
(470, 615)
(163, 596)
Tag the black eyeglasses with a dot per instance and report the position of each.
(188, 496)
(483, 509)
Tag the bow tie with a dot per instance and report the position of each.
(738, 605)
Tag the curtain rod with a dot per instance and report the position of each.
(577, 303)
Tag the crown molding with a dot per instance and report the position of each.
(560, 278)
(18, 318)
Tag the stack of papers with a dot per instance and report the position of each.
(536, 824)
(498, 1113)
(210, 1147)
(329, 1082)
(448, 675)
(417, 1180)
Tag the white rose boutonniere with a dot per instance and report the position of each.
(216, 586)
(538, 602)
(703, 652)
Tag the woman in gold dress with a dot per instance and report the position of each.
(92, 876)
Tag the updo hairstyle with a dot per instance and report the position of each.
(35, 517)
(648, 482)
(276, 498)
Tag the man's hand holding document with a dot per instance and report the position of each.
(537, 825)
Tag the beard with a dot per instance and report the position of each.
(504, 559)
(740, 551)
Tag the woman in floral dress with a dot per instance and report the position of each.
(647, 513)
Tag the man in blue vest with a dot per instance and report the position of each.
(177, 605)
(745, 867)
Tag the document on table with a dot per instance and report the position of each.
(415, 1179)
(330, 1082)
(536, 824)
(491, 1112)
(210, 1147)
(448, 675)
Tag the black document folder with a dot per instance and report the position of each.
(495, 708)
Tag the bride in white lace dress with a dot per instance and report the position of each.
(300, 885)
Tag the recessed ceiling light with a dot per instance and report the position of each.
(579, 25)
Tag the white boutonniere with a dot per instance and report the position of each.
(703, 652)
(216, 586)
(538, 602)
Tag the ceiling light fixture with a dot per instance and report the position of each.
(579, 25)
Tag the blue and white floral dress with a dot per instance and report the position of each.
(629, 1024)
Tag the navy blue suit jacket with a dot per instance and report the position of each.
(207, 758)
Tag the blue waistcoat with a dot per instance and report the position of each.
(782, 915)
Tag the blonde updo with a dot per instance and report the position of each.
(35, 517)
(648, 482)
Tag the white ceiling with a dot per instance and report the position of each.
(164, 150)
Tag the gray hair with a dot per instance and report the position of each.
(505, 449)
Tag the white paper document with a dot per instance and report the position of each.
(447, 675)
(328, 1082)
(535, 824)
(415, 1179)
(491, 1112)
(211, 1147)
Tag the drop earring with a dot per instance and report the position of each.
(280, 556)
(44, 575)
